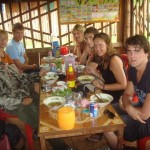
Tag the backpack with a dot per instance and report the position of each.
(14, 135)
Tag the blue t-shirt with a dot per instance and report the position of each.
(16, 50)
(142, 88)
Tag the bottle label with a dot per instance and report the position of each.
(71, 84)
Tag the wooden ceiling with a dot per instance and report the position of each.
(17, 1)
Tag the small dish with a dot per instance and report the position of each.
(61, 83)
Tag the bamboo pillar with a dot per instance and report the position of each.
(127, 20)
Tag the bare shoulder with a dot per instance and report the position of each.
(116, 60)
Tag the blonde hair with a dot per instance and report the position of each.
(78, 27)
(3, 33)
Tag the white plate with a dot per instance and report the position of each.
(104, 96)
(54, 99)
(85, 79)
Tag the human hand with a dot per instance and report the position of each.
(27, 101)
(42, 72)
(35, 66)
(77, 63)
(88, 69)
(99, 84)
(135, 113)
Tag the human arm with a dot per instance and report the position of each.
(27, 101)
(91, 68)
(23, 67)
(15, 67)
(26, 58)
(90, 58)
(134, 112)
(145, 108)
(116, 66)
(77, 52)
(84, 56)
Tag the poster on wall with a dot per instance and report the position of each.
(82, 11)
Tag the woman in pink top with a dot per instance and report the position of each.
(78, 36)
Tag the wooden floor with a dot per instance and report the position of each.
(77, 143)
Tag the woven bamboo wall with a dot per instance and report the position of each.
(41, 20)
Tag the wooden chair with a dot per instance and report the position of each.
(144, 143)
(28, 129)
(125, 61)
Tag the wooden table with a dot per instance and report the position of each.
(48, 127)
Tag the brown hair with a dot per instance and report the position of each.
(17, 26)
(138, 40)
(105, 60)
(91, 30)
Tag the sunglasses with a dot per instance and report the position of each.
(109, 114)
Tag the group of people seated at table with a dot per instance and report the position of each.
(111, 77)
(19, 93)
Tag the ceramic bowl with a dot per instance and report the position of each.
(51, 74)
(105, 99)
(54, 101)
(79, 68)
(50, 80)
(45, 67)
(85, 79)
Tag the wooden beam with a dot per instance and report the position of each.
(17, 1)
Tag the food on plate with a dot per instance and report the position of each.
(52, 104)
(102, 99)
(85, 79)
(60, 91)
(53, 101)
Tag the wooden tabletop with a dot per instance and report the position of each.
(48, 126)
